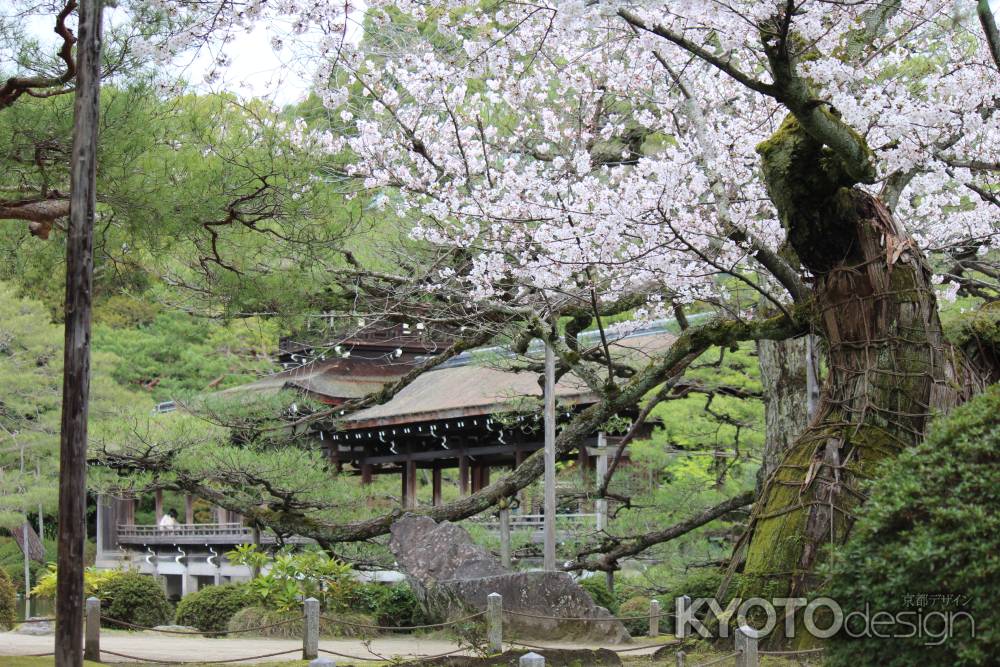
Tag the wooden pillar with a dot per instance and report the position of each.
(129, 511)
(159, 505)
(477, 477)
(72, 511)
(549, 483)
(583, 461)
(463, 475)
(484, 478)
(220, 515)
(410, 484)
(436, 485)
(601, 504)
(189, 509)
(335, 457)
(366, 473)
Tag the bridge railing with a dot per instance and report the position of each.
(184, 530)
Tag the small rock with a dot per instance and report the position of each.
(36, 626)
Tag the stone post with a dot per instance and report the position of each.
(746, 646)
(681, 656)
(310, 634)
(681, 605)
(654, 618)
(531, 660)
(323, 662)
(494, 622)
(92, 640)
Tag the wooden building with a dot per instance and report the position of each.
(473, 414)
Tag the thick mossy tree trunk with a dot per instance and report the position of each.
(784, 380)
(889, 368)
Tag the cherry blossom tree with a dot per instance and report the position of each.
(835, 160)
(797, 167)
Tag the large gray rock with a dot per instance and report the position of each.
(451, 575)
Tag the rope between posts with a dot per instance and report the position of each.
(807, 651)
(403, 627)
(35, 620)
(199, 662)
(133, 626)
(38, 655)
(587, 618)
(716, 661)
(613, 650)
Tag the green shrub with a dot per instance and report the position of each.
(393, 606)
(931, 527)
(637, 606)
(93, 582)
(290, 623)
(134, 598)
(210, 608)
(598, 590)
(700, 582)
(294, 576)
(8, 602)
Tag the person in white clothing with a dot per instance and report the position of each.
(169, 520)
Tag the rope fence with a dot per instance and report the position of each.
(163, 661)
(746, 638)
(590, 619)
(133, 626)
(352, 624)
(807, 651)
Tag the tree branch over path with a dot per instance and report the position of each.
(275, 515)
(815, 116)
(614, 549)
(38, 86)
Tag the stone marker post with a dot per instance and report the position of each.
(494, 622)
(746, 645)
(92, 640)
(323, 662)
(681, 605)
(531, 660)
(654, 618)
(681, 657)
(310, 634)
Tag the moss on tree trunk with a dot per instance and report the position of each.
(889, 367)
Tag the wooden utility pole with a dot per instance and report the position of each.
(76, 364)
(549, 561)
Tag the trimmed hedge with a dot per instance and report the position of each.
(637, 606)
(8, 602)
(291, 623)
(931, 527)
(135, 598)
(598, 590)
(210, 608)
(391, 605)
